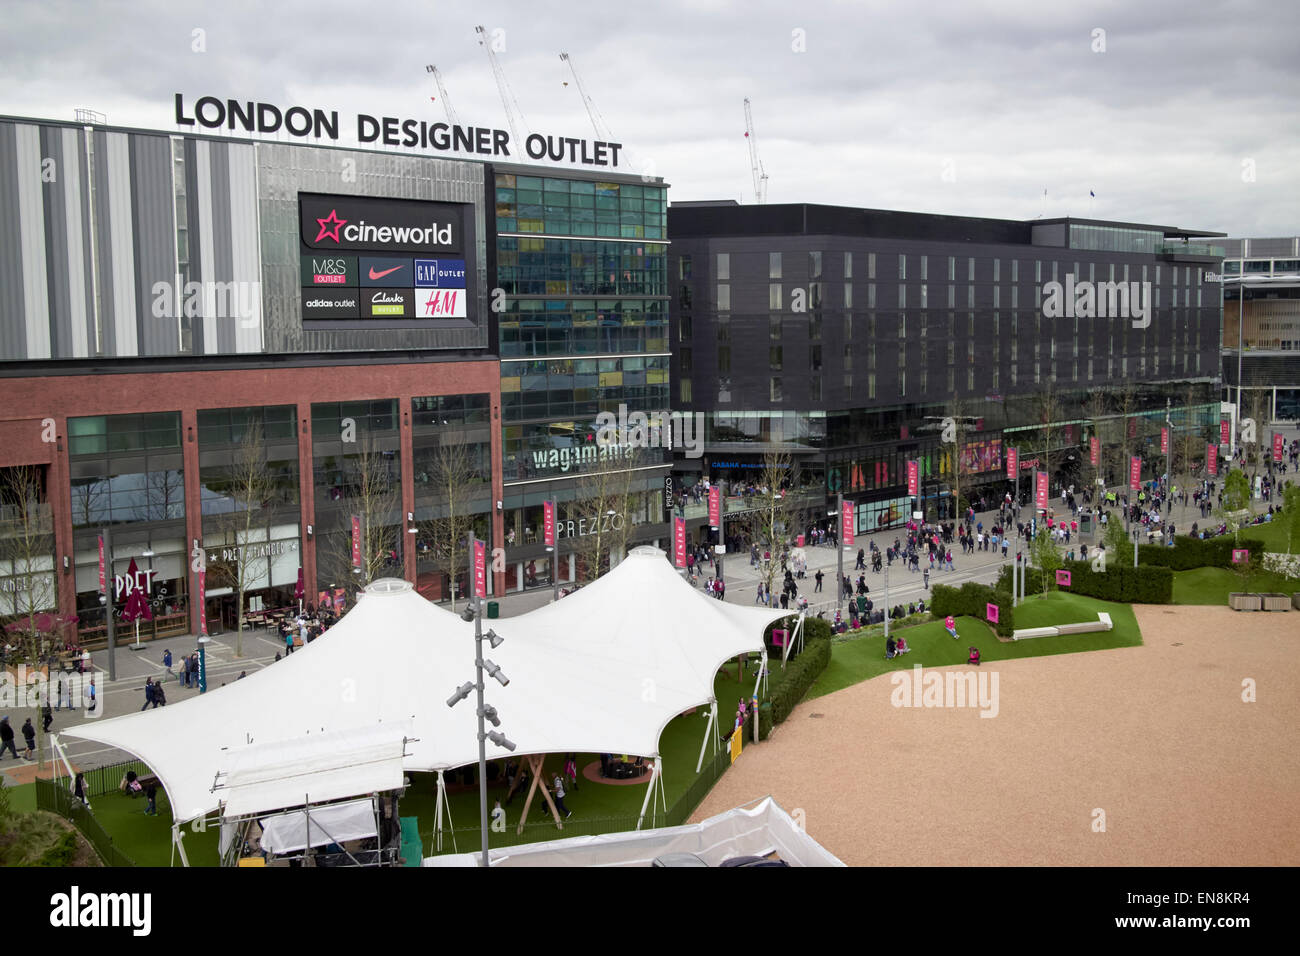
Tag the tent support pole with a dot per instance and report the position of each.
(437, 814)
(708, 726)
(649, 792)
(762, 669)
(178, 838)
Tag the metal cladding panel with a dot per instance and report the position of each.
(13, 330)
(56, 245)
(153, 202)
(76, 233)
(203, 266)
(245, 251)
(285, 171)
(223, 268)
(31, 213)
(115, 161)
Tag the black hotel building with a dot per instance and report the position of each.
(844, 336)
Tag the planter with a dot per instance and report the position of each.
(1275, 602)
(1240, 601)
(1295, 600)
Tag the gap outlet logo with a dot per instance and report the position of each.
(440, 273)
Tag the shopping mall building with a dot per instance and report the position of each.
(285, 359)
(842, 338)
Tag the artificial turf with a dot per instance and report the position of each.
(932, 645)
(1213, 585)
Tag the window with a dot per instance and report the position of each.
(774, 388)
(952, 268)
(684, 329)
(684, 267)
(848, 265)
(814, 265)
(848, 295)
(724, 360)
(815, 359)
(871, 265)
(774, 265)
(902, 296)
(774, 328)
(724, 265)
(774, 357)
(970, 270)
(1015, 270)
(902, 266)
(724, 297)
(848, 327)
(997, 270)
(871, 385)
(871, 295)
(815, 389)
(685, 390)
(925, 267)
(815, 327)
(774, 295)
(685, 297)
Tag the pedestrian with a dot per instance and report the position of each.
(559, 797)
(151, 794)
(29, 738)
(90, 701)
(571, 769)
(927, 578)
(7, 738)
(148, 694)
(288, 642)
(47, 717)
(818, 578)
(167, 664)
(79, 787)
(242, 675)
(159, 699)
(498, 818)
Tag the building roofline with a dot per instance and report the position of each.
(562, 172)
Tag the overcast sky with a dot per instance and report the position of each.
(966, 107)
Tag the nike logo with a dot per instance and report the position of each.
(379, 275)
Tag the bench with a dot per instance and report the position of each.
(1103, 623)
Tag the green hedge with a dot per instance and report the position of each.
(788, 686)
(1121, 583)
(971, 599)
(1145, 584)
(1188, 553)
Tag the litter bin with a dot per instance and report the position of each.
(1085, 524)
(494, 610)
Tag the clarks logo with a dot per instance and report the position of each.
(77, 909)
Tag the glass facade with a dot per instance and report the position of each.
(567, 207)
(1116, 239)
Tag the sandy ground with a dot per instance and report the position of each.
(1158, 737)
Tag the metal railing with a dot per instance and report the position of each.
(55, 798)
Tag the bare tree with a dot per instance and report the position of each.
(370, 493)
(453, 476)
(1098, 407)
(248, 521)
(26, 556)
(778, 511)
(1257, 409)
(952, 457)
(1190, 447)
(1047, 412)
(600, 506)
(1126, 405)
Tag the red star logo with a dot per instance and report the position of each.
(330, 226)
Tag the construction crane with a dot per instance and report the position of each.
(756, 165)
(452, 118)
(597, 120)
(503, 88)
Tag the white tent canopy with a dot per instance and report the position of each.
(602, 671)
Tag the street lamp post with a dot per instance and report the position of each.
(839, 552)
(110, 588)
(474, 611)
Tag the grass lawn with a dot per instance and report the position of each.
(1274, 536)
(148, 839)
(1212, 585)
(932, 646)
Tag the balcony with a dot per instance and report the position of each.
(1197, 250)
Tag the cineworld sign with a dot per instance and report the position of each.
(381, 225)
(215, 113)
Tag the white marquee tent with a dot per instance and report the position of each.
(604, 671)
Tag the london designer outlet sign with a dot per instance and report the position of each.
(215, 113)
